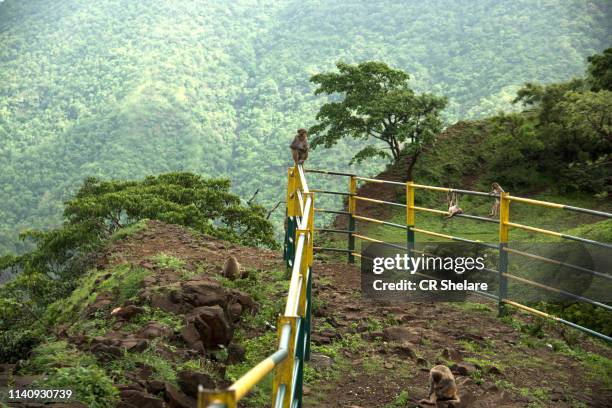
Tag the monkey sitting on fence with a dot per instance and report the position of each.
(453, 204)
(299, 147)
(442, 387)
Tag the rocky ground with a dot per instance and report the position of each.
(184, 324)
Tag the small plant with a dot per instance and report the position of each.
(400, 401)
(164, 260)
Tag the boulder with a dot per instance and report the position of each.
(189, 381)
(140, 399)
(154, 330)
(212, 325)
(463, 368)
(191, 336)
(177, 399)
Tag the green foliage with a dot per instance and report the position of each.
(16, 344)
(378, 104)
(187, 199)
(600, 70)
(90, 384)
(116, 90)
(65, 367)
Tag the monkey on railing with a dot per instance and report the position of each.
(453, 204)
(496, 190)
(299, 147)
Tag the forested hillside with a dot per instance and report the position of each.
(123, 89)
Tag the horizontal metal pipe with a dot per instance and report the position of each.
(316, 190)
(556, 262)
(558, 234)
(331, 173)
(392, 224)
(244, 384)
(455, 190)
(378, 241)
(332, 211)
(339, 231)
(324, 249)
(371, 180)
(559, 206)
(469, 241)
(555, 290)
(373, 200)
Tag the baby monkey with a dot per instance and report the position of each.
(299, 147)
(442, 387)
(453, 205)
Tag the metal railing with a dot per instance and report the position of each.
(293, 337)
(294, 325)
(504, 225)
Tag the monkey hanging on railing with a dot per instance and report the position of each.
(453, 204)
(299, 147)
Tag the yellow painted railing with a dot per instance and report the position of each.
(293, 337)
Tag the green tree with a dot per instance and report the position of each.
(376, 103)
(600, 70)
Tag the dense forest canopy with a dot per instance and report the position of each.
(122, 89)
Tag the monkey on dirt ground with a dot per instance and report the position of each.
(231, 268)
(299, 147)
(442, 387)
(453, 205)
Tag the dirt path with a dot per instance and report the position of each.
(382, 353)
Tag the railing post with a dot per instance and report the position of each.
(504, 218)
(283, 376)
(351, 221)
(410, 218)
(291, 214)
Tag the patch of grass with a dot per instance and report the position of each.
(164, 260)
(170, 320)
(65, 367)
(49, 356)
(163, 369)
(129, 230)
(90, 384)
(400, 401)
(123, 280)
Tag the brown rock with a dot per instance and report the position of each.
(463, 368)
(452, 354)
(189, 381)
(192, 337)
(177, 399)
(154, 386)
(213, 326)
(140, 399)
(204, 292)
(127, 312)
(154, 330)
(402, 333)
(405, 349)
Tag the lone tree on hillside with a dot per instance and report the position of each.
(377, 104)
